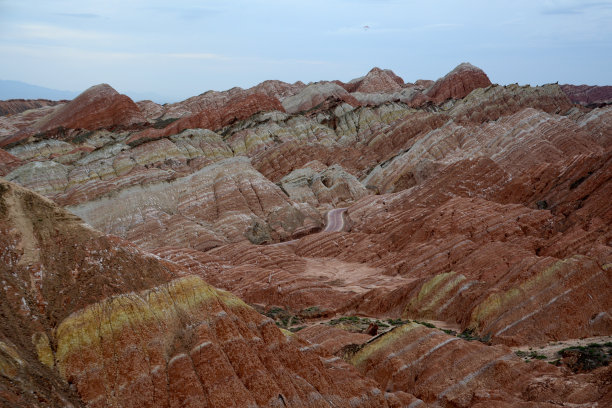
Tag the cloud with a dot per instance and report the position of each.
(372, 29)
(185, 13)
(190, 55)
(52, 32)
(439, 26)
(54, 52)
(75, 54)
(283, 61)
(88, 54)
(79, 15)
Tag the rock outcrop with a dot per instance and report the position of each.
(98, 107)
(8, 162)
(225, 202)
(18, 127)
(239, 108)
(316, 94)
(491, 103)
(319, 185)
(444, 370)
(90, 320)
(588, 94)
(458, 83)
(53, 265)
(376, 81)
(150, 110)
(14, 106)
(515, 142)
(555, 244)
(213, 100)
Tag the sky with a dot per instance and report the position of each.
(170, 50)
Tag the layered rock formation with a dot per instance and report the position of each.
(90, 320)
(14, 106)
(443, 370)
(212, 100)
(152, 111)
(14, 128)
(314, 95)
(98, 107)
(478, 208)
(376, 81)
(225, 202)
(53, 265)
(514, 142)
(238, 108)
(588, 95)
(458, 83)
(7, 162)
(319, 185)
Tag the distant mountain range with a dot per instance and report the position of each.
(21, 90)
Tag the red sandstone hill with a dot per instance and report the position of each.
(90, 320)
(98, 107)
(479, 209)
(458, 83)
(237, 108)
(102, 107)
(376, 81)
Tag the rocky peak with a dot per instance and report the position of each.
(465, 66)
(458, 83)
(278, 89)
(316, 94)
(100, 106)
(376, 81)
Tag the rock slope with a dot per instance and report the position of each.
(443, 370)
(224, 202)
(588, 95)
(90, 320)
(458, 83)
(14, 106)
(98, 107)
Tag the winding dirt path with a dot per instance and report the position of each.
(335, 220)
(334, 223)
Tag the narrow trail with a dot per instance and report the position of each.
(335, 220)
(334, 223)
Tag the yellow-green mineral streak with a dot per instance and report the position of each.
(381, 343)
(434, 291)
(90, 326)
(43, 348)
(497, 302)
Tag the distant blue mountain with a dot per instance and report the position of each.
(22, 90)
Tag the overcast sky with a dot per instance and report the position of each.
(175, 49)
